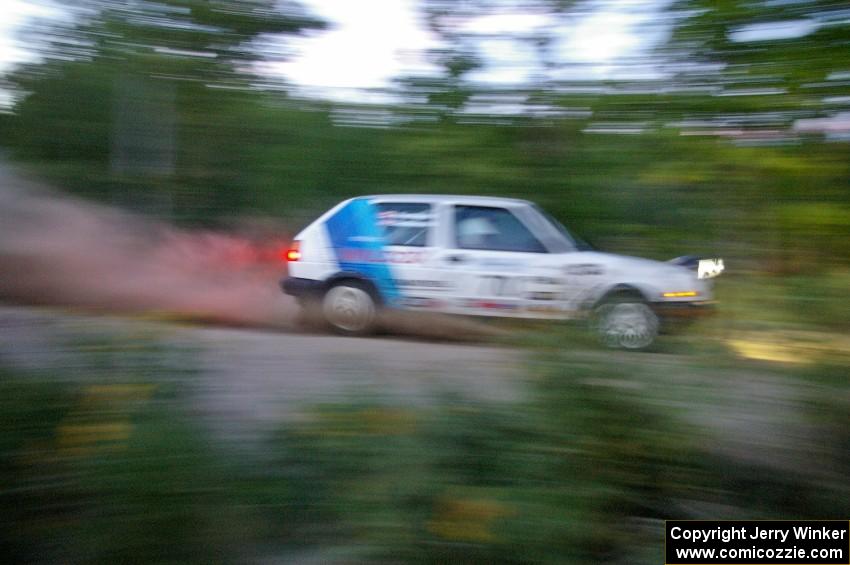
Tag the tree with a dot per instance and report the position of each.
(141, 101)
(774, 62)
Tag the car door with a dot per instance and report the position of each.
(410, 237)
(498, 266)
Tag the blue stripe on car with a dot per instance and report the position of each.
(358, 242)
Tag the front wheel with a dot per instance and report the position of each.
(625, 324)
(350, 308)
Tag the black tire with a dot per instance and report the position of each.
(350, 307)
(625, 321)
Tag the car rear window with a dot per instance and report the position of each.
(406, 223)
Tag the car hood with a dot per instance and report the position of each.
(634, 266)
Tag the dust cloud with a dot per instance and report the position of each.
(59, 250)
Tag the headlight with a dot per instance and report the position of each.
(709, 268)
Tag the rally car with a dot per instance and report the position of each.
(483, 256)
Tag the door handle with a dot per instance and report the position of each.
(456, 258)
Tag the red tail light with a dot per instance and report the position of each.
(294, 251)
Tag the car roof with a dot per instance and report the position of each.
(452, 198)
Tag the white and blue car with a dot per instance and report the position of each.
(482, 256)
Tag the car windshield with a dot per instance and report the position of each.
(574, 242)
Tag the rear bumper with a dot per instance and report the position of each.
(301, 288)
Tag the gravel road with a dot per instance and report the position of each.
(246, 381)
(251, 377)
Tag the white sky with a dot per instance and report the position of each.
(16, 13)
(769, 31)
(360, 50)
(361, 53)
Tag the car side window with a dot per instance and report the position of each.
(405, 223)
(493, 229)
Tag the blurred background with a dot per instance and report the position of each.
(156, 157)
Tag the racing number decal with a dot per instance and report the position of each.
(530, 288)
(499, 285)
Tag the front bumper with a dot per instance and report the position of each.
(676, 316)
(684, 310)
(301, 288)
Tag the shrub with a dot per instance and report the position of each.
(109, 468)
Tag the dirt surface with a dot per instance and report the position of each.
(260, 377)
(248, 379)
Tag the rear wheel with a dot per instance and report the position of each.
(350, 308)
(625, 322)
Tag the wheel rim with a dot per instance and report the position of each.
(349, 308)
(627, 325)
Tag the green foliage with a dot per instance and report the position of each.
(32, 484)
(585, 471)
(104, 465)
(558, 479)
(164, 496)
(143, 104)
(103, 461)
(798, 67)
